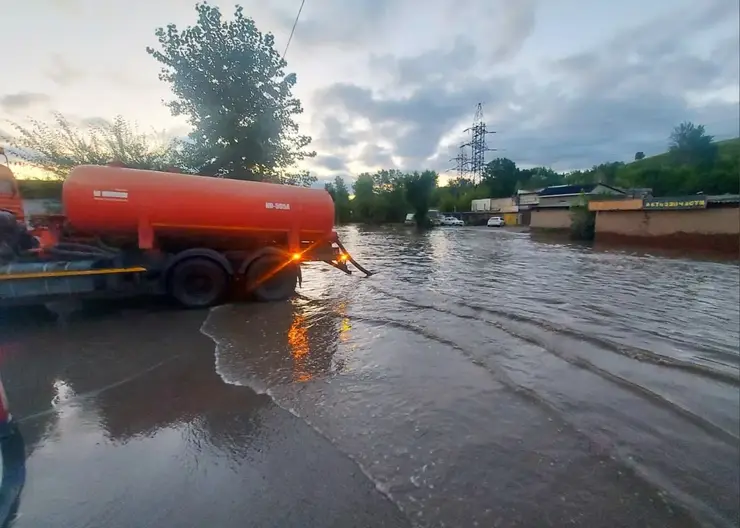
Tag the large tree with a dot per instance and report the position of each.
(229, 80)
(420, 188)
(501, 177)
(689, 144)
(58, 147)
(340, 194)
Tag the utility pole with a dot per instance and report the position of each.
(478, 145)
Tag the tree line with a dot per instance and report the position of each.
(694, 163)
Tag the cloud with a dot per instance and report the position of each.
(332, 22)
(22, 101)
(332, 163)
(66, 6)
(568, 112)
(62, 72)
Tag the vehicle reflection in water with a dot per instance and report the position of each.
(136, 428)
(95, 377)
(265, 345)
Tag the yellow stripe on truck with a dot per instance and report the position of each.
(57, 274)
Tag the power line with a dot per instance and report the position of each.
(294, 25)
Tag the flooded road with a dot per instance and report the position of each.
(482, 378)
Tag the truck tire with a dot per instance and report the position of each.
(269, 279)
(198, 282)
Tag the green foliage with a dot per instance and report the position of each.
(419, 188)
(58, 147)
(298, 179)
(229, 80)
(40, 189)
(693, 164)
(340, 194)
(689, 167)
(501, 177)
(457, 195)
(583, 221)
(690, 145)
(388, 196)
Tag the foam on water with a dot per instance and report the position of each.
(484, 378)
(260, 387)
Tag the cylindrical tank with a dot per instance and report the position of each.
(117, 201)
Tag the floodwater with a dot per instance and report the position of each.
(483, 378)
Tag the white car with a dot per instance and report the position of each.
(496, 221)
(452, 221)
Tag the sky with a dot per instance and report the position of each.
(393, 83)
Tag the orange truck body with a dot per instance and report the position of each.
(198, 239)
(10, 197)
(165, 208)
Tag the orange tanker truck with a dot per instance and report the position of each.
(198, 239)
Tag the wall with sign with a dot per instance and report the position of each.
(631, 204)
(668, 204)
(714, 228)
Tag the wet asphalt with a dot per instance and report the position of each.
(141, 431)
(484, 378)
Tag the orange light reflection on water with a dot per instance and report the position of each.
(299, 347)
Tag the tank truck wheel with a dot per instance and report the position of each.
(198, 283)
(269, 279)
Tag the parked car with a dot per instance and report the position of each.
(496, 221)
(409, 219)
(451, 221)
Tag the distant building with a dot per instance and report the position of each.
(679, 222)
(639, 192)
(553, 209)
(507, 208)
(482, 205)
(526, 201)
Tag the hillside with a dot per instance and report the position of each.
(727, 150)
(667, 179)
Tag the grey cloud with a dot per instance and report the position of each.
(331, 22)
(62, 72)
(416, 124)
(600, 106)
(433, 66)
(504, 24)
(330, 162)
(515, 24)
(374, 155)
(22, 100)
(670, 33)
(66, 6)
(333, 133)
